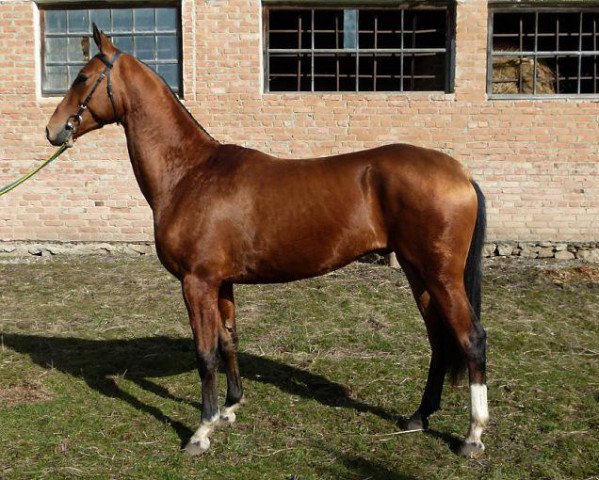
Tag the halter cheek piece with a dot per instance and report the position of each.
(105, 73)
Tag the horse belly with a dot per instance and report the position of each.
(310, 249)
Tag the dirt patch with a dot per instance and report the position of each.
(582, 273)
(24, 392)
(377, 323)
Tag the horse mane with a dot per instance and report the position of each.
(177, 99)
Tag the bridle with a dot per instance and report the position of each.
(105, 74)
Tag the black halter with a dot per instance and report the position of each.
(105, 73)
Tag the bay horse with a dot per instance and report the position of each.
(224, 214)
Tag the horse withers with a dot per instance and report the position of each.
(225, 214)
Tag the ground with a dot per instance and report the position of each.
(97, 376)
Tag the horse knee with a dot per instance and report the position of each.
(207, 362)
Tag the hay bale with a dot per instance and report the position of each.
(507, 71)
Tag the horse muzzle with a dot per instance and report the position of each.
(64, 135)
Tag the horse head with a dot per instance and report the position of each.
(90, 103)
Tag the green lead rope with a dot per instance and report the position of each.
(33, 171)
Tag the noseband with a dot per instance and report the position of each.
(105, 73)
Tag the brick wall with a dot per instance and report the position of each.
(538, 161)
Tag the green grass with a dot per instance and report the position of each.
(98, 380)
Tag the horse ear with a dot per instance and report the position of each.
(97, 35)
(103, 42)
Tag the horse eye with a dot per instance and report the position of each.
(80, 79)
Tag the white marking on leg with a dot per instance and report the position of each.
(479, 409)
(479, 413)
(228, 414)
(200, 437)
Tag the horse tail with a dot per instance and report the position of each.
(473, 276)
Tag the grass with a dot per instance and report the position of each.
(97, 376)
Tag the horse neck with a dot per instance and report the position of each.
(163, 139)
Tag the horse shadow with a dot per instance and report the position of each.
(97, 362)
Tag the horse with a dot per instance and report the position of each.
(224, 215)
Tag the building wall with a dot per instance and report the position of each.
(537, 160)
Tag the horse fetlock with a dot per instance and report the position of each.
(473, 447)
(200, 441)
(417, 422)
(481, 421)
(228, 416)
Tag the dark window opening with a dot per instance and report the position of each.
(544, 52)
(358, 49)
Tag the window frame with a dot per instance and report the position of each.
(532, 7)
(447, 6)
(96, 5)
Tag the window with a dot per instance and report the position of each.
(332, 49)
(151, 34)
(543, 52)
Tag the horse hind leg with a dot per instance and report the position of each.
(470, 337)
(431, 397)
(227, 345)
(447, 287)
(457, 342)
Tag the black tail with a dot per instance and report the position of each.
(473, 277)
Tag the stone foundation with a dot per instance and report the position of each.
(588, 251)
(48, 249)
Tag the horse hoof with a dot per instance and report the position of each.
(472, 450)
(416, 422)
(197, 448)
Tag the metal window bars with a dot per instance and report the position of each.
(152, 34)
(358, 49)
(541, 52)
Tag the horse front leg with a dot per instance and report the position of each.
(227, 346)
(201, 300)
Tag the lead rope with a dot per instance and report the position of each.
(33, 171)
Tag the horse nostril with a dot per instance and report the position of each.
(47, 133)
